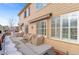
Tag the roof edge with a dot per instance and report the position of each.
(24, 8)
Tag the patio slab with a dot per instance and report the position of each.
(40, 50)
(30, 49)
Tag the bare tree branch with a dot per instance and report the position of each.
(11, 22)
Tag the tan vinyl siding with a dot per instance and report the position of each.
(56, 10)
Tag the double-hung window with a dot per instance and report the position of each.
(65, 26)
(55, 27)
(69, 26)
(73, 27)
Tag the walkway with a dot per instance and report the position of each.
(8, 47)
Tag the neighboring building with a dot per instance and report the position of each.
(16, 28)
(1, 28)
(5, 28)
(59, 23)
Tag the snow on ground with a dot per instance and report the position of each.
(8, 47)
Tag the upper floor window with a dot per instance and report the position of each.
(40, 5)
(27, 12)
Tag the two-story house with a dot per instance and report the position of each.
(59, 23)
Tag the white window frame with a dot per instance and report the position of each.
(63, 28)
(78, 29)
(42, 28)
(54, 37)
(68, 39)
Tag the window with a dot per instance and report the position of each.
(40, 5)
(73, 33)
(41, 27)
(65, 26)
(27, 12)
(69, 26)
(55, 27)
(73, 27)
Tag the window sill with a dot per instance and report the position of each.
(67, 41)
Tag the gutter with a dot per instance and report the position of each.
(24, 8)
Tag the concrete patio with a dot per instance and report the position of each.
(30, 49)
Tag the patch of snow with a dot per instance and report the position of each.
(10, 48)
